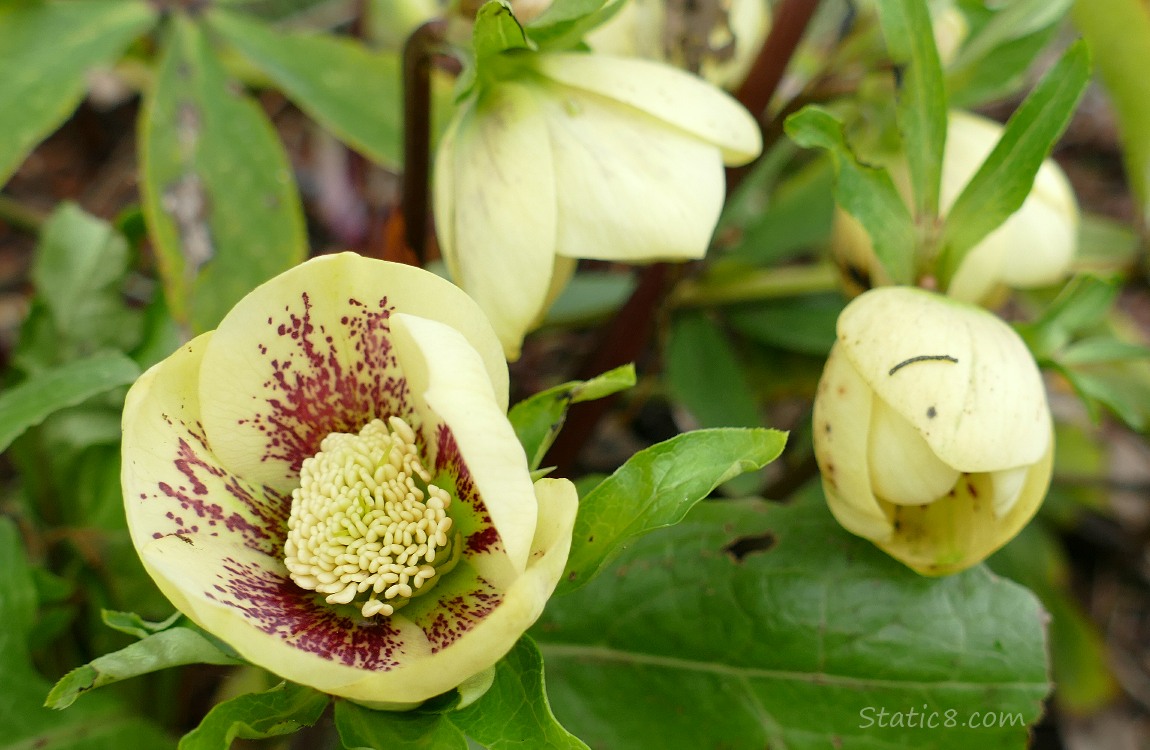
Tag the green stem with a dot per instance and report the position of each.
(19, 216)
(761, 284)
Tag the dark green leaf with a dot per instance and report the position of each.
(538, 419)
(46, 48)
(921, 109)
(656, 488)
(30, 403)
(789, 632)
(218, 191)
(364, 729)
(514, 713)
(284, 709)
(867, 193)
(167, 648)
(805, 325)
(353, 91)
(1002, 183)
(98, 724)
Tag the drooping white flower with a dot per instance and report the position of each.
(328, 482)
(931, 428)
(573, 155)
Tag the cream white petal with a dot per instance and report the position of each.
(666, 93)
(308, 353)
(633, 189)
(1007, 484)
(903, 468)
(458, 395)
(961, 376)
(495, 201)
(841, 424)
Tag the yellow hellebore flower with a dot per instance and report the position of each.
(931, 429)
(1033, 247)
(328, 482)
(576, 155)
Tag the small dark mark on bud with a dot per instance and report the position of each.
(923, 358)
(931, 412)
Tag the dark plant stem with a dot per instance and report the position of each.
(629, 332)
(418, 55)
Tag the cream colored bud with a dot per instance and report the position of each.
(1034, 247)
(932, 430)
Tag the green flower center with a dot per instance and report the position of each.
(367, 525)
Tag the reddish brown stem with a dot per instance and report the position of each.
(418, 55)
(630, 331)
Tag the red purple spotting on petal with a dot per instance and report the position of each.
(459, 614)
(277, 606)
(333, 381)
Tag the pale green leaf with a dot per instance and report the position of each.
(353, 91)
(657, 487)
(867, 193)
(31, 402)
(168, 648)
(47, 47)
(218, 191)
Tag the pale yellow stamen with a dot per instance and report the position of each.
(366, 519)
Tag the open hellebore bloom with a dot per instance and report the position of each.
(1033, 247)
(931, 429)
(574, 155)
(328, 482)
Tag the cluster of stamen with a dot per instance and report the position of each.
(367, 520)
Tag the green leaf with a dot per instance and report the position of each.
(79, 309)
(218, 191)
(1082, 304)
(564, 23)
(805, 325)
(514, 712)
(98, 724)
(1011, 22)
(538, 419)
(46, 48)
(796, 634)
(921, 96)
(1118, 33)
(31, 402)
(496, 31)
(351, 90)
(167, 648)
(867, 193)
(362, 728)
(1002, 183)
(1100, 349)
(284, 709)
(656, 488)
(132, 624)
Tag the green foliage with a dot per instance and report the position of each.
(347, 88)
(362, 728)
(99, 724)
(657, 487)
(514, 713)
(1004, 180)
(47, 48)
(284, 709)
(1118, 33)
(218, 194)
(31, 402)
(538, 419)
(752, 625)
(921, 96)
(865, 192)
